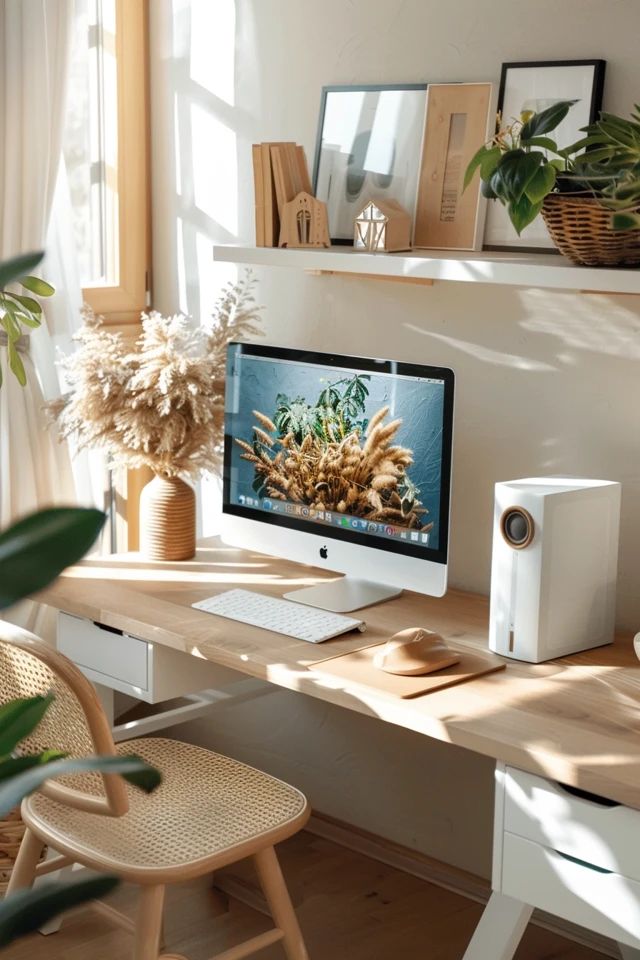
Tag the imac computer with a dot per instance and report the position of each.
(343, 463)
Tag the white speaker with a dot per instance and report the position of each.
(554, 565)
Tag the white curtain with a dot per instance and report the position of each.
(35, 37)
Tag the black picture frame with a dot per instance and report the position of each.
(497, 225)
(408, 199)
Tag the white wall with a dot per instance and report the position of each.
(546, 382)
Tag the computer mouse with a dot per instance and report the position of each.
(413, 652)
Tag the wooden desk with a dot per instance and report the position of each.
(576, 720)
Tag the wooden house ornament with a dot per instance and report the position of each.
(382, 226)
(304, 222)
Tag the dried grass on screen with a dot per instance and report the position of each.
(160, 404)
(363, 477)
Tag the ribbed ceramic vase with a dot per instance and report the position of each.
(167, 519)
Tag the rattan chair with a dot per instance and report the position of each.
(210, 811)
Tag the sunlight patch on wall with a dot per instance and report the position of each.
(212, 276)
(480, 352)
(212, 60)
(182, 304)
(215, 168)
(598, 323)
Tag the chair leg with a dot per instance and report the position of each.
(275, 890)
(24, 870)
(149, 923)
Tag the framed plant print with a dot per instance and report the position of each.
(460, 116)
(368, 147)
(536, 86)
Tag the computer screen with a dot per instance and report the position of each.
(352, 448)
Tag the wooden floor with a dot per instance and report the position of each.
(350, 908)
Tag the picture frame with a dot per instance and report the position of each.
(459, 117)
(368, 147)
(536, 85)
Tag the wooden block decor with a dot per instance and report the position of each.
(280, 175)
(382, 225)
(304, 223)
(460, 116)
(258, 193)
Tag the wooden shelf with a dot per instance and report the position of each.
(512, 268)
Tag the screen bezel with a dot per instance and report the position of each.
(366, 365)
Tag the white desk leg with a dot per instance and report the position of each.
(500, 929)
(628, 953)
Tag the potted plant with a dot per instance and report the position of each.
(158, 404)
(588, 193)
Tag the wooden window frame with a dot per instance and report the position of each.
(121, 304)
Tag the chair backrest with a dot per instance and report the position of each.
(75, 723)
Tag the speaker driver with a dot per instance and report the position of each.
(517, 527)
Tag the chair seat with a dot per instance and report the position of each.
(210, 810)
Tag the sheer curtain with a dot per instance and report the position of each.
(35, 38)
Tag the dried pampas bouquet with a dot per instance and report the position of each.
(159, 405)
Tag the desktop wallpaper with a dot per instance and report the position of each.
(337, 441)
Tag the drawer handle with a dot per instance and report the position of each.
(591, 797)
(103, 626)
(582, 863)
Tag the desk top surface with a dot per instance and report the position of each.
(575, 719)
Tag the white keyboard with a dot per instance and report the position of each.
(282, 616)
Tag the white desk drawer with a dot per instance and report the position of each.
(147, 671)
(605, 902)
(541, 810)
(113, 655)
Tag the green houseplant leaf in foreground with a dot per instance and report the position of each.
(32, 553)
(27, 910)
(37, 548)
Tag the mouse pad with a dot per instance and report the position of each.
(358, 668)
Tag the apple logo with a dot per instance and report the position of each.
(324, 553)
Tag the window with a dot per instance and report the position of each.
(107, 121)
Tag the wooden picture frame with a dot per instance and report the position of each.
(368, 146)
(459, 118)
(535, 85)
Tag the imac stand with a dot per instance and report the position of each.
(344, 595)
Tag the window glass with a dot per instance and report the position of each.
(90, 144)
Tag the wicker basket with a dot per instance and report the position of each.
(580, 228)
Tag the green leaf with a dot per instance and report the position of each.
(546, 120)
(28, 910)
(132, 768)
(16, 366)
(541, 183)
(31, 305)
(14, 765)
(15, 268)
(36, 549)
(628, 191)
(545, 143)
(18, 718)
(20, 313)
(625, 221)
(523, 212)
(513, 174)
(9, 321)
(40, 287)
(486, 158)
